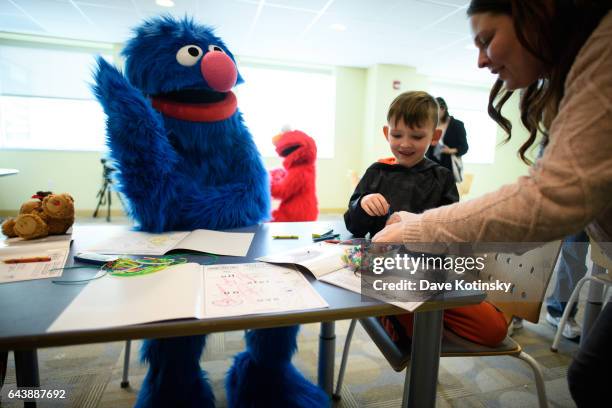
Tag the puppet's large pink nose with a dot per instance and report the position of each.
(219, 71)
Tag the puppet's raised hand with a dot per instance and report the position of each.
(139, 146)
(133, 126)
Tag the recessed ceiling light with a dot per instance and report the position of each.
(338, 27)
(164, 3)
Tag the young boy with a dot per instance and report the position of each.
(408, 181)
(411, 182)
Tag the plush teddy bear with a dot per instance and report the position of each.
(45, 214)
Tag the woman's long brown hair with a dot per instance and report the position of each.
(554, 36)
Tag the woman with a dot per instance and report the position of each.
(559, 54)
(453, 143)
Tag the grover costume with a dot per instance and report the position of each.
(294, 184)
(186, 160)
(425, 185)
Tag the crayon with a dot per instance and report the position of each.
(325, 234)
(27, 260)
(326, 237)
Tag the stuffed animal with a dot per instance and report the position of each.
(294, 184)
(45, 214)
(185, 160)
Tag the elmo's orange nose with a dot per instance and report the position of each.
(276, 138)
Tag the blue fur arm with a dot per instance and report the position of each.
(137, 139)
(136, 135)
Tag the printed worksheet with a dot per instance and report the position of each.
(350, 280)
(55, 252)
(324, 261)
(240, 289)
(320, 259)
(188, 291)
(146, 243)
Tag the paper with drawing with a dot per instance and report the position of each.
(188, 291)
(57, 249)
(239, 289)
(146, 243)
(320, 259)
(324, 261)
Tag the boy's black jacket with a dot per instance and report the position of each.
(416, 189)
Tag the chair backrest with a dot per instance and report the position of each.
(600, 257)
(529, 274)
(466, 185)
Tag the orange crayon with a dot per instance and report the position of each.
(27, 260)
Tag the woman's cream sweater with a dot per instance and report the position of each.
(569, 188)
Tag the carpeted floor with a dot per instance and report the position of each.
(91, 374)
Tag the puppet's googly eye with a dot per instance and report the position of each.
(213, 47)
(189, 55)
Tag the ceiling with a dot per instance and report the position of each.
(431, 35)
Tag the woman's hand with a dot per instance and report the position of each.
(395, 226)
(375, 205)
(449, 150)
(391, 233)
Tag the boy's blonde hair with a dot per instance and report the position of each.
(415, 108)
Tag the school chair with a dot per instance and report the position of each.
(353, 179)
(600, 273)
(529, 274)
(466, 185)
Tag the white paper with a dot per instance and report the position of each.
(49, 239)
(324, 260)
(217, 242)
(242, 289)
(139, 243)
(347, 279)
(173, 293)
(188, 291)
(320, 259)
(56, 249)
(145, 243)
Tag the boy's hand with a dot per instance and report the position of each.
(375, 205)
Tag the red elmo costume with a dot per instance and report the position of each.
(294, 184)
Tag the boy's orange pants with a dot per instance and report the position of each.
(483, 324)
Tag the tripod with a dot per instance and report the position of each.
(104, 194)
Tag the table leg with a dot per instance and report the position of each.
(593, 304)
(26, 370)
(3, 366)
(420, 388)
(327, 349)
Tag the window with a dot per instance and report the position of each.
(45, 98)
(469, 105)
(51, 123)
(46, 101)
(274, 96)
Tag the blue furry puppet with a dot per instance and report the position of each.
(186, 160)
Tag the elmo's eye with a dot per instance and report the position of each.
(213, 47)
(189, 55)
